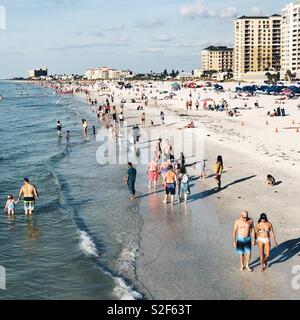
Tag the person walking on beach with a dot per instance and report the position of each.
(162, 118)
(153, 174)
(10, 206)
(219, 166)
(143, 119)
(59, 128)
(184, 188)
(170, 182)
(114, 115)
(30, 194)
(130, 180)
(242, 241)
(136, 134)
(202, 169)
(121, 119)
(168, 152)
(264, 231)
(187, 104)
(182, 159)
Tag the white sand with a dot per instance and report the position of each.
(185, 254)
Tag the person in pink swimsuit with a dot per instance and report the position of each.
(153, 174)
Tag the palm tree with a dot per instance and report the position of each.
(291, 76)
(269, 75)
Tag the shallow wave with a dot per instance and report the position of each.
(87, 245)
(125, 292)
(122, 290)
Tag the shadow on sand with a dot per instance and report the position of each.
(284, 252)
(205, 194)
(239, 181)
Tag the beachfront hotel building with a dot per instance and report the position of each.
(257, 46)
(104, 73)
(290, 51)
(37, 73)
(219, 59)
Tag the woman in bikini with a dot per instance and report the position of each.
(264, 231)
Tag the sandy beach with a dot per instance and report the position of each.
(185, 251)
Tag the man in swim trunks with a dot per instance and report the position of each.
(170, 181)
(30, 194)
(241, 239)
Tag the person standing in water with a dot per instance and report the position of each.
(264, 232)
(85, 126)
(218, 171)
(30, 194)
(242, 241)
(59, 128)
(10, 206)
(130, 180)
(68, 136)
(170, 181)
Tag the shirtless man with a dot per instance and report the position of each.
(170, 181)
(30, 194)
(241, 239)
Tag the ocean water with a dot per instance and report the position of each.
(82, 241)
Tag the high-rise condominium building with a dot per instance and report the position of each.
(219, 59)
(290, 52)
(37, 73)
(257, 45)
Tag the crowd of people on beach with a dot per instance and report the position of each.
(164, 171)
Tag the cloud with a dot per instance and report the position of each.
(257, 11)
(198, 9)
(202, 44)
(89, 45)
(116, 28)
(188, 45)
(97, 34)
(163, 38)
(153, 50)
(154, 23)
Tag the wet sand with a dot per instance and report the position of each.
(186, 252)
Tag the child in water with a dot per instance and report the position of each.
(10, 206)
(68, 136)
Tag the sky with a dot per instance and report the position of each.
(69, 36)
